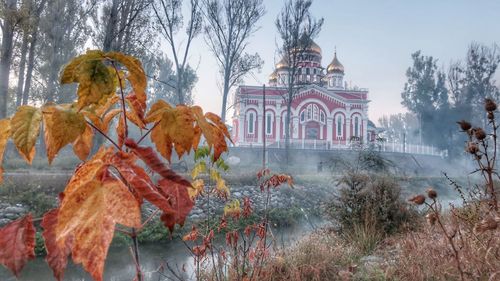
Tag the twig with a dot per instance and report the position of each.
(102, 133)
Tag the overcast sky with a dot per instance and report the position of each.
(374, 41)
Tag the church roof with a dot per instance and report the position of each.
(335, 66)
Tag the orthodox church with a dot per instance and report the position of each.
(326, 113)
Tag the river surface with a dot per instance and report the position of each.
(120, 267)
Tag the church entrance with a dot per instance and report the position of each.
(312, 131)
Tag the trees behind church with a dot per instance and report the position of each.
(296, 29)
(439, 98)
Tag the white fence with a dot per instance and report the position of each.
(346, 145)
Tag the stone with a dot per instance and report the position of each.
(14, 210)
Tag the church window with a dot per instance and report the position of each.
(269, 124)
(315, 112)
(309, 112)
(307, 71)
(356, 126)
(339, 126)
(303, 116)
(251, 123)
(322, 117)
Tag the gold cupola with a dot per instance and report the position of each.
(335, 66)
(273, 77)
(282, 64)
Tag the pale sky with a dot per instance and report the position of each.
(374, 42)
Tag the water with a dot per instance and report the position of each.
(120, 266)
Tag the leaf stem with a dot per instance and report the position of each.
(147, 133)
(124, 111)
(102, 133)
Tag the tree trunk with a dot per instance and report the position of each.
(180, 95)
(22, 65)
(31, 55)
(225, 93)
(111, 27)
(6, 56)
(31, 65)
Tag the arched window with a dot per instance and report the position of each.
(251, 122)
(303, 116)
(339, 126)
(356, 126)
(269, 123)
(322, 117)
(315, 112)
(309, 112)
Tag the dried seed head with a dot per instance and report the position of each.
(472, 148)
(491, 115)
(464, 125)
(418, 199)
(431, 218)
(490, 105)
(431, 193)
(479, 133)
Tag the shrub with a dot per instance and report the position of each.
(366, 199)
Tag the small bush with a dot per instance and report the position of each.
(366, 199)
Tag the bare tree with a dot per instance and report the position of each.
(30, 28)
(170, 20)
(296, 29)
(230, 23)
(9, 20)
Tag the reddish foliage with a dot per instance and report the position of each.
(57, 257)
(247, 207)
(180, 201)
(17, 241)
(150, 158)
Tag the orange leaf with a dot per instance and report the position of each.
(83, 144)
(120, 131)
(89, 214)
(213, 134)
(162, 142)
(136, 114)
(156, 111)
(17, 244)
(57, 257)
(218, 122)
(179, 199)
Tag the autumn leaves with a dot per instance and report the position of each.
(109, 188)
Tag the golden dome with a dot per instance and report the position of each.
(304, 39)
(315, 47)
(283, 63)
(273, 76)
(335, 66)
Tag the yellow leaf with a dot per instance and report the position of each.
(200, 167)
(157, 109)
(196, 188)
(222, 188)
(25, 127)
(136, 75)
(4, 136)
(232, 208)
(178, 125)
(63, 125)
(95, 83)
(83, 144)
(69, 73)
